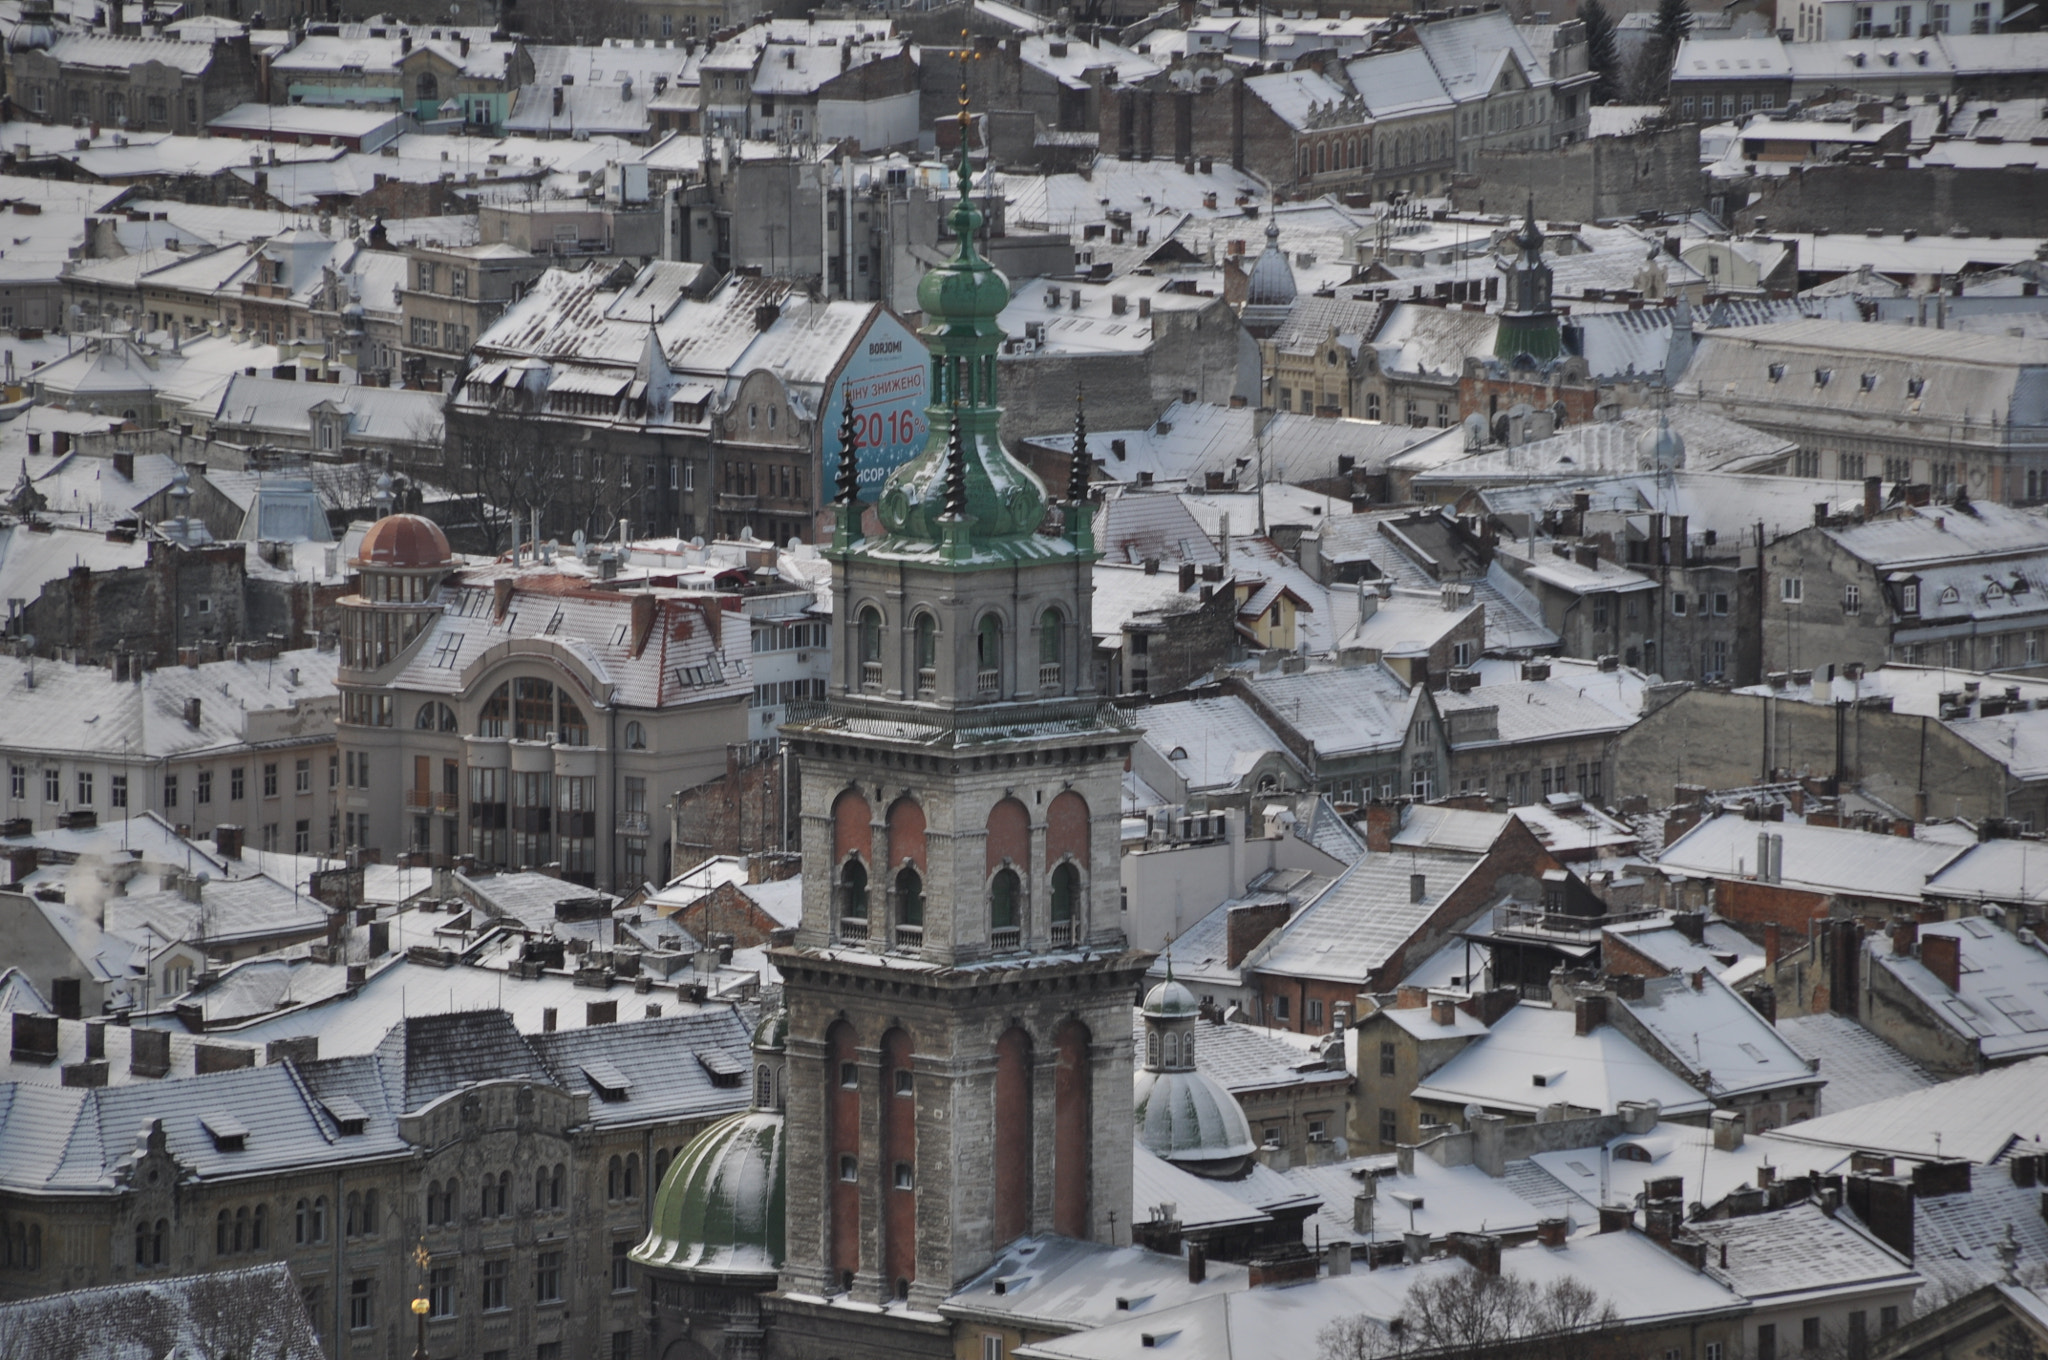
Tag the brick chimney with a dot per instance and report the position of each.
(1382, 821)
(1550, 1232)
(1443, 1010)
(1247, 925)
(1943, 955)
(1588, 1014)
(1905, 934)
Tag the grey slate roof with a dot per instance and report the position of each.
(424, 1057)
(1860, 1067)
(664, 1061)
(256, 1311)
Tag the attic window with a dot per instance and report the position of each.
(349, 1117)
(229, 1134)
(1546, 1078)
(610, 1084)
(1631, 1152)
(1870, 382)
(1823, 376)
(723, 1069)
(1177, 753)
(1915, 386)
(1753, 1051)
(1777, 371)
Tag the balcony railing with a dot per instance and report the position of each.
(1004, 938)
(423, 799)
(910, 937)
(927, 682)
(1062, 934)
(853, 929)
(1049, 677)
(633, 822)
(871, 675)
(988, 684)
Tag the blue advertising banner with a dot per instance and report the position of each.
(886, 379)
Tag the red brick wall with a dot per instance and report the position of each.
(842, 1110)
(1749, 903)
(1066, 829)
(850, 818)
(906, 836)
(727, 910)
(1013, 1135)
(899, 1144)
(1073, 1127)
(1009, 835)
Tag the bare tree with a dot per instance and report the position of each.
(1470, 1313)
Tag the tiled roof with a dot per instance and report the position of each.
(1794, 1251)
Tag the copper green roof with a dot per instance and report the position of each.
(721, 1205)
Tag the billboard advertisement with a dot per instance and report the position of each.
(886, 378)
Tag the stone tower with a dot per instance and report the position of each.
(959, 1051)
(1528, 322)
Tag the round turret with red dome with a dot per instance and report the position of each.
(400, 564)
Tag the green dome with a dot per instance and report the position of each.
(772, 1034)
(1169, 998)
(966, 291)
(1190, 1119)
(720, 1207)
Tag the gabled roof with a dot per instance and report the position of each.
(1978, 1117)
(2000, 1003)
(1817, 858)
(668, 1065)
(1797, 1253)
(1717, 1036)
(1365, 918)
(1533, 1057)
(424, 1057)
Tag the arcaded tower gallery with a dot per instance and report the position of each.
(959, 1066)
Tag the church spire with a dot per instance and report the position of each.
(846, 515)
(1077, 475)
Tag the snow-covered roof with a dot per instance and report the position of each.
(1533, 1058)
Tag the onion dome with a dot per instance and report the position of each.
(1661, 449)
(720, 1208)
(404, 541)
(966, 290)
(772, 1034)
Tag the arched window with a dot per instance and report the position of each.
(157, 1238)
(497, 712)
(319, 1224)
(223, 1233)
(988, 658)
(853, 900)
(1187, 1048)
(926, 645)
(540, 1188)
(1172, 1050)
(1052, 648)
(433, 1204)
(636, 737)
(910, 901)
(871, 648)
(764, 1087)
(301, 1223)
(1322, 157)
(1066, 890)
(574, 729)
(371, 1225)
(142, 1242)
(662, 1158)
(533, 709)
(352, 1215)
(1152, 1048)
(615, 1179)
(258, 1237)
(450, 1193)
(632, 1174)
(429, 87)
(555, 1186)
(1004, 892)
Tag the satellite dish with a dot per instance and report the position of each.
(1472, 1113)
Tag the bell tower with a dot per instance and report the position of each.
(1528, 322)
(959, 1055)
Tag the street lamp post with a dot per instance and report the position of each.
(419, 1312)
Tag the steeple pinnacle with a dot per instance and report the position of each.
(1077, 475)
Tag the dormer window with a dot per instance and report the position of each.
(1823, 376)
(1915, 387)
(1777, 372)
(228, 1133)
(607, 1082)
(1869, 382)
(349, 1118)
